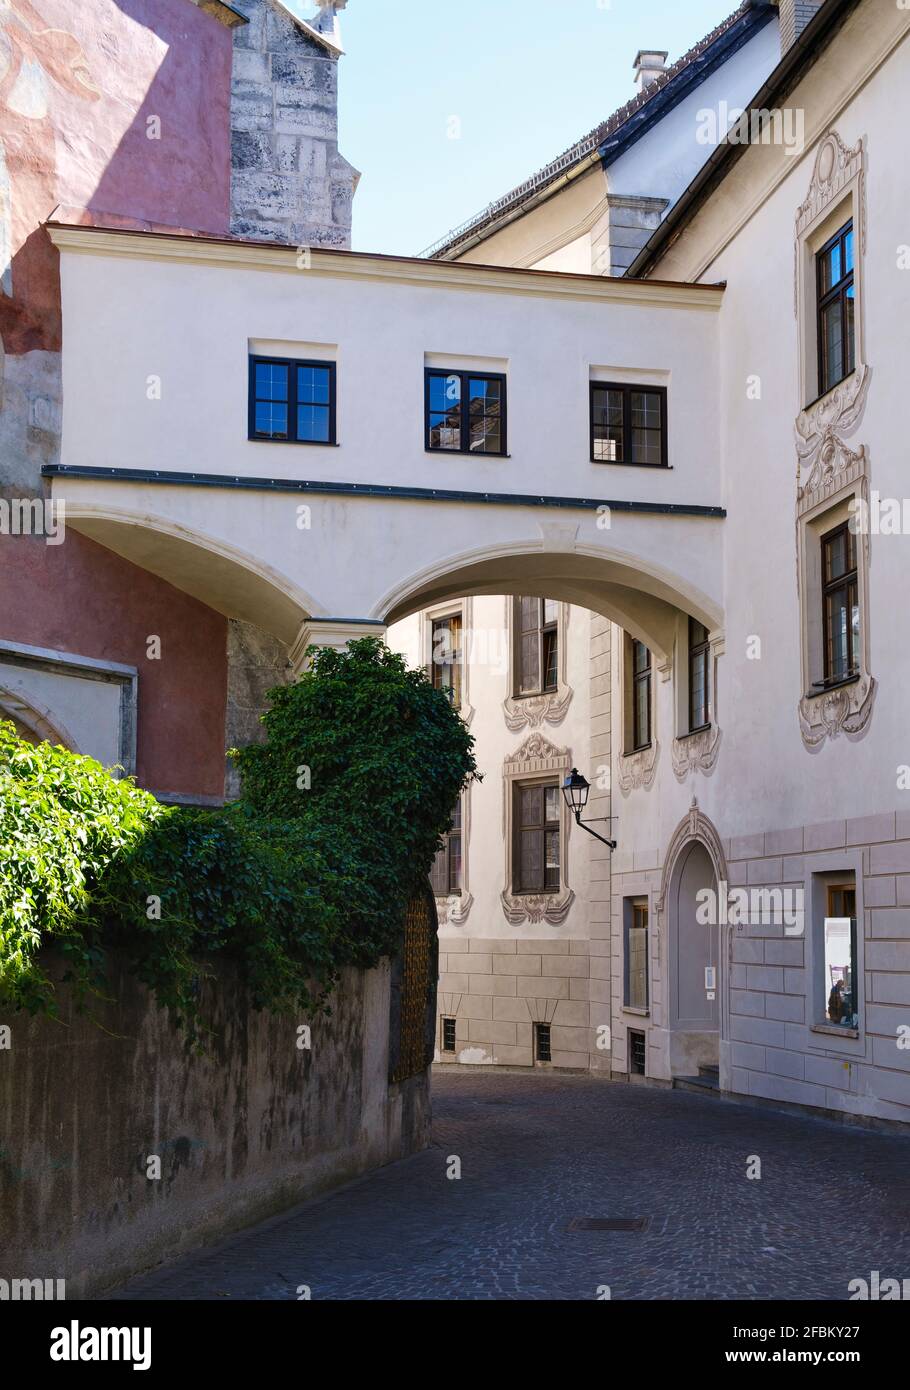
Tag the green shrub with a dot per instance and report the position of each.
(340, 815)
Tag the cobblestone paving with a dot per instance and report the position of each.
(537, 1152)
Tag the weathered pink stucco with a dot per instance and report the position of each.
(119, 112)
(118, 106)
(80, 598)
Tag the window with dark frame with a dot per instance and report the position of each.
(641, 696)
(542, 1047)
(629, 424)
(536, 849)
(292, 401)
(699, 677)
(465, 412)
(447, 657)
(841, 979)
(445, 875)
(537, 625)
(636, 974)
(448, 1035)
(840, 604)
(836, 309)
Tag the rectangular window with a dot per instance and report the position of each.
(292, 401)
(536, 838)
(537, 625)
(448, 1035)
(629, 425)
(699, 676)
(641, 696)
(636, 921)
(445, 875)
(465, 412)
(836, 309)
(542, 1050)
(637, 1055)
(447, 658)
(840, 600)
(841, 979)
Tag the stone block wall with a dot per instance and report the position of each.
(288, 181)
(497, 989)
(779, 1048)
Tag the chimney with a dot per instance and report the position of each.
(794, 16)
(326, 21)
(650, 63)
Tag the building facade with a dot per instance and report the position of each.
(674, 569)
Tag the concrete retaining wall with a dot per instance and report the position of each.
(248, 1128)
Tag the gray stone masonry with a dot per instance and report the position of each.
(288, 181)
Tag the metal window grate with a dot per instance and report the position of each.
(448, 1035)
(542, 1043)
(637, 1053)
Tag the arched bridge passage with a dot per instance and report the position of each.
(299, 557)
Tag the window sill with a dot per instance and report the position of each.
(690, 733)
(639, 1013)
(812, 404)
(465, 454)
(831, 1030)
(444, 897)
(815, 694)
(620, 463)
(302, 443)
(536, 694)
(642, 748)
(536, 892)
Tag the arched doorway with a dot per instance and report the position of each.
(694, 876)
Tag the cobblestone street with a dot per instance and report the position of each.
(539, 1152)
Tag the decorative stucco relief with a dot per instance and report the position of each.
(536, 757)
(637, 770)
(696, 752)
(551, 706)
(829, 472)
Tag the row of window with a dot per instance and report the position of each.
(543, 1051)
(536, 624)
(294, 401)
(535, 849)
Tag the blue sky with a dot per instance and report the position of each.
(525, 78)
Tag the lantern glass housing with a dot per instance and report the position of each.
(575, 789)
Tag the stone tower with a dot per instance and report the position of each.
(288, 180)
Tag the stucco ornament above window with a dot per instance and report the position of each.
(536, 758)
(832, 476)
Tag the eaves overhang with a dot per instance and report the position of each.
(796, 62)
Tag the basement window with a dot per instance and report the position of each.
(542, 1051)
(292, 401)
(636, 1053)
(448, 1035)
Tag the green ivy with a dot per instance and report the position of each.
(340, 814)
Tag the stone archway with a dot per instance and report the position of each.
(694, 941)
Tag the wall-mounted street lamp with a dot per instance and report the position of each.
(575, 789)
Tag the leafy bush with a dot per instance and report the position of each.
(339, 817)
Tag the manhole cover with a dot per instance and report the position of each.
(609, 1223)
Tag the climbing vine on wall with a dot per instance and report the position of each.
(340, 814)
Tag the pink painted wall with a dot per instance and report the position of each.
(81, 598)
(78, 84)
(82, 87)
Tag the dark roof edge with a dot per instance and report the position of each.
(643, 113)
(796, 62)
(688, 80)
